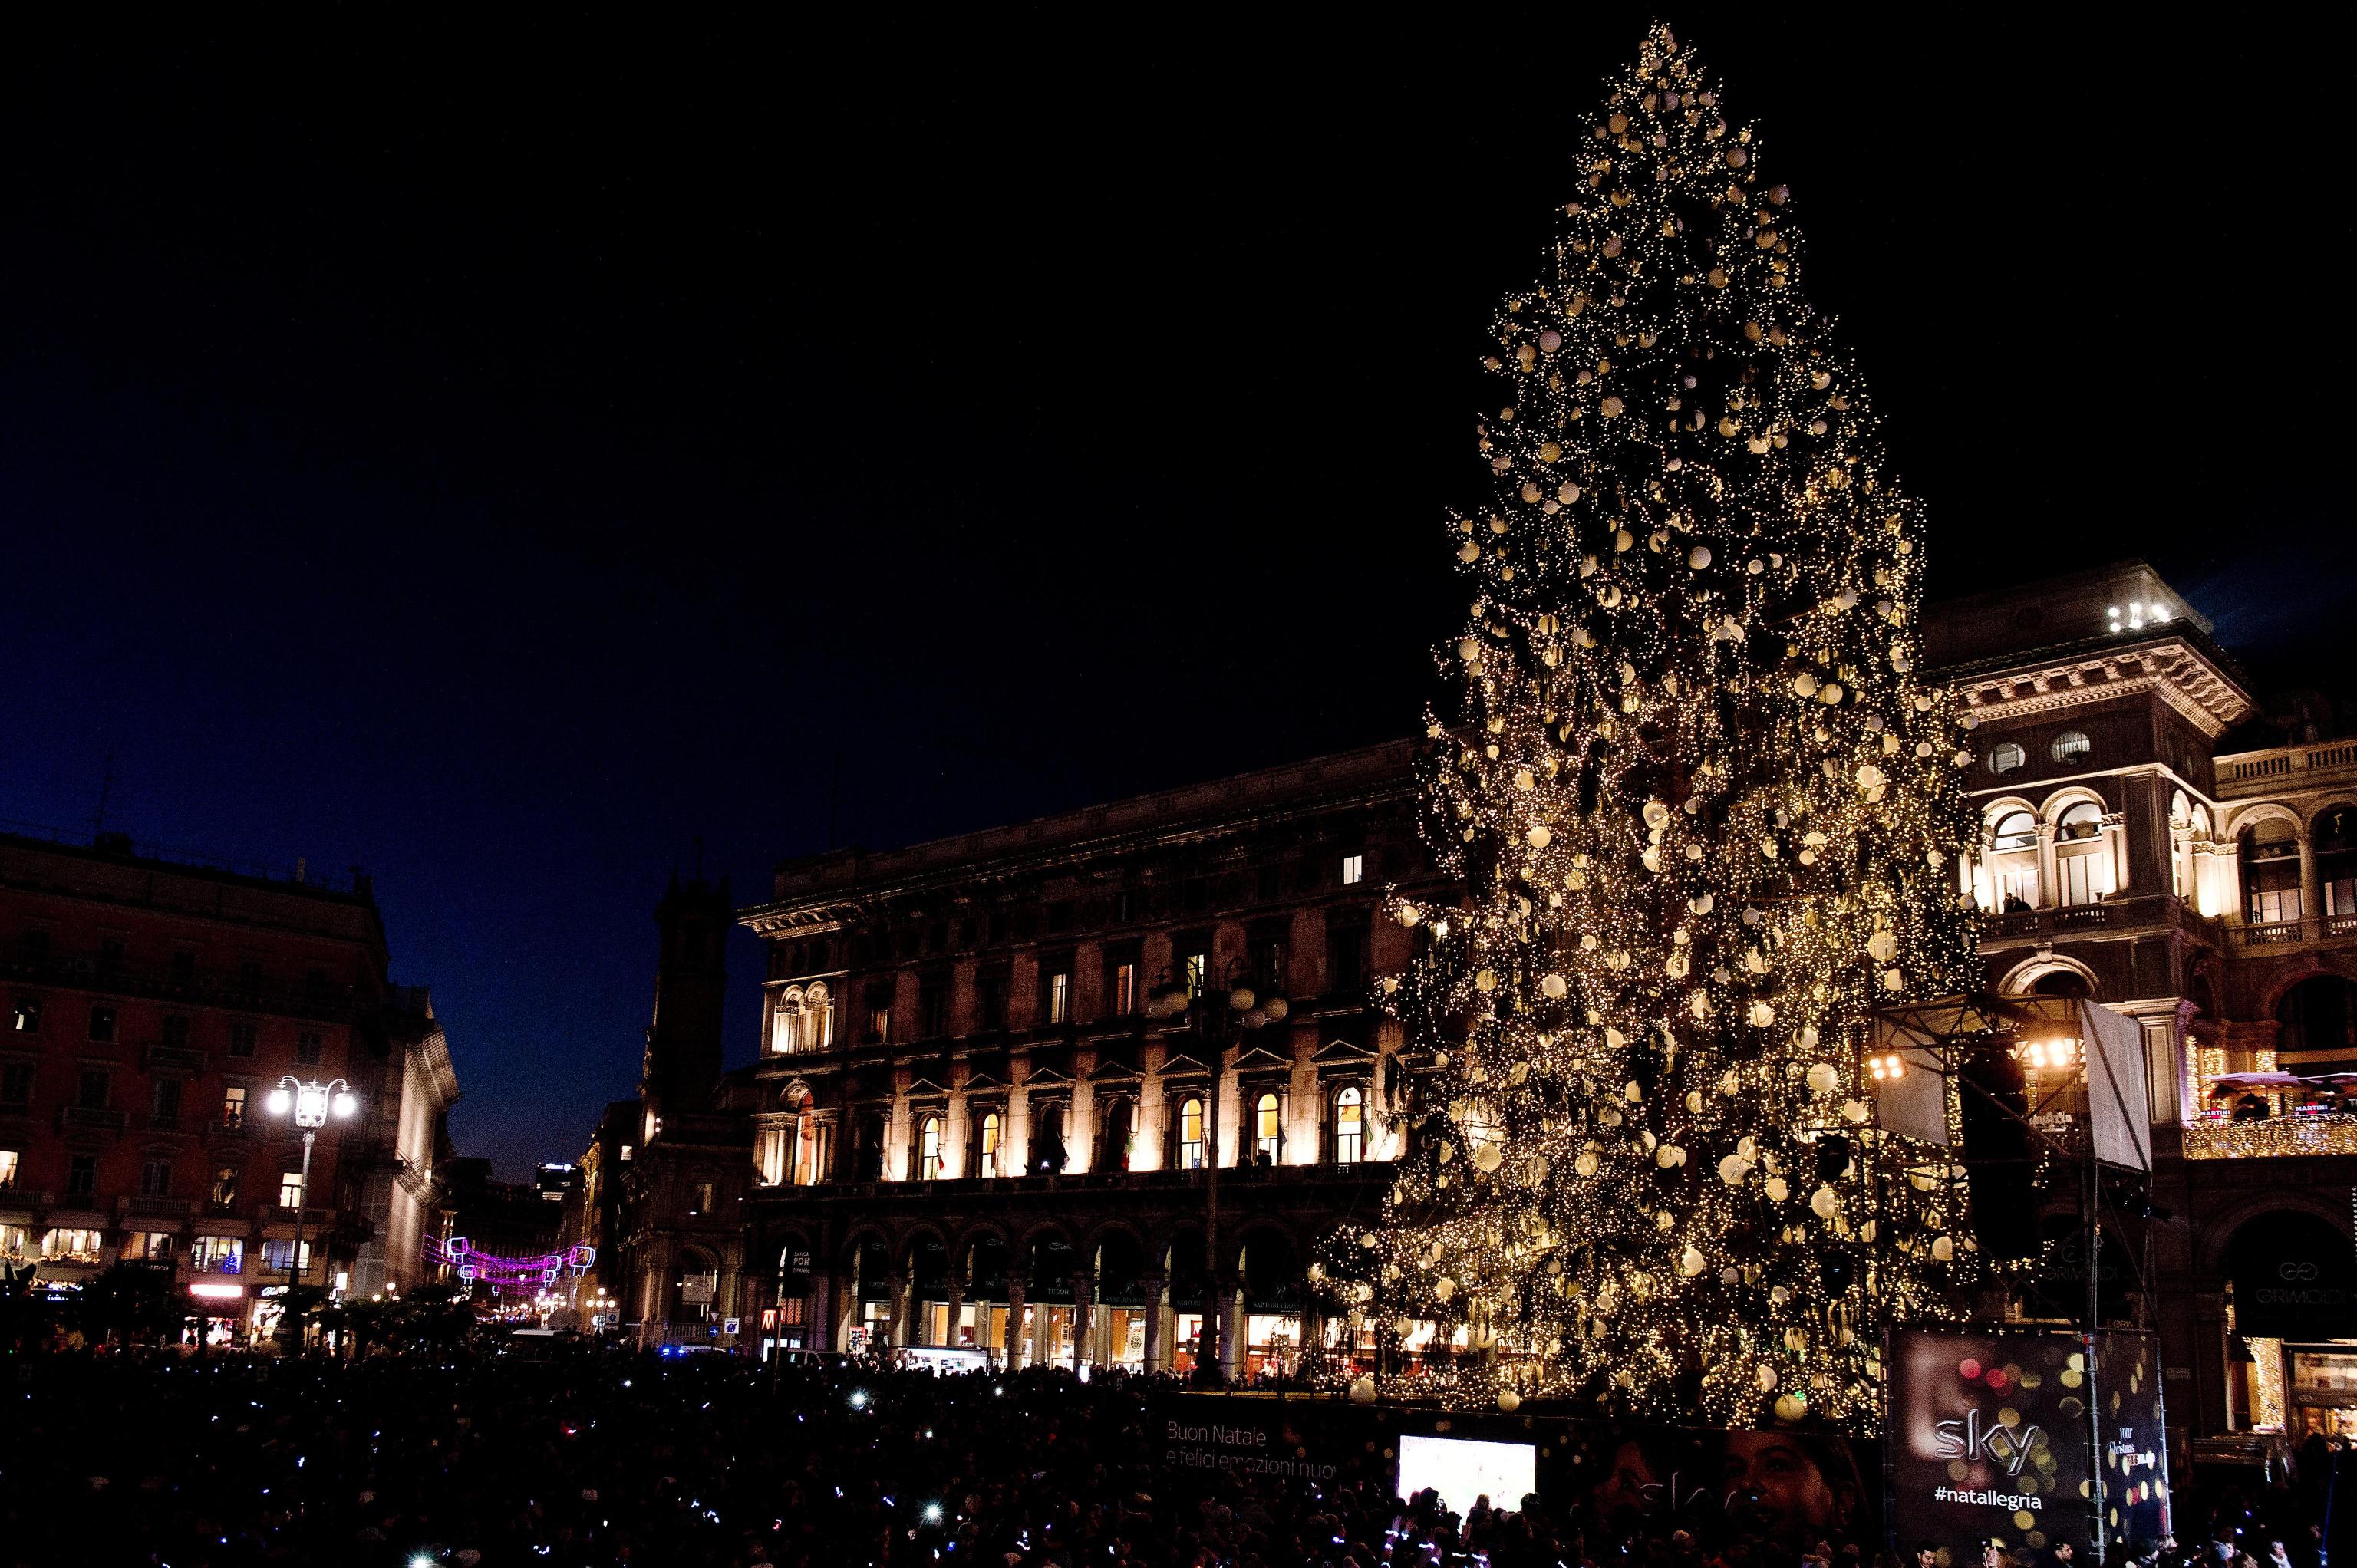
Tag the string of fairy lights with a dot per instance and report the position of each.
(1706, 818)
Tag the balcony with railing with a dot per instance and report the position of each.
(175, 1059)
(2149, 912)
(2283, 769)
(2263, 936)
(91, 1119)
(2273, 1137)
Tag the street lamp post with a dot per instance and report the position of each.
(312, 1104)
(1218, 1026)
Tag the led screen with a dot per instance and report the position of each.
(1461, 1470)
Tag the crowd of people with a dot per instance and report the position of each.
(481, 1459)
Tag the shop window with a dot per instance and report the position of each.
(2007, 756)
(13, 1240)
(1350, 1127)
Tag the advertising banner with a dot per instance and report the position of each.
(2015, 1439)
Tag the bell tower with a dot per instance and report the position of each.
(683, 1061)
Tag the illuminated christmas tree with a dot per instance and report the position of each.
(1707, 819)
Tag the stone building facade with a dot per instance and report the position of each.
(152, 1006)
(966, 1126)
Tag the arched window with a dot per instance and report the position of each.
(787, 1035)
(1350, 1127)
(2071, 745)
(819, 1033)
(2336, 865)
(1114, 1153)
(989, 1145)
(2006, 756)
(1268, 1129)
(1047, 1138)
(2271, 873)
(928, 1149)
(2013, 860)
(2083, 861)
(1190, 1135)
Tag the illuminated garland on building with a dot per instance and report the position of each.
(1707, 819)
(531, 1273)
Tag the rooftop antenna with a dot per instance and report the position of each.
(105, 788)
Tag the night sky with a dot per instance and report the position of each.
(496, 460)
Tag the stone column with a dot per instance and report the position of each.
(2312, 893)
(1017, 1352)
(1038, 1356)
(957, 1302)
(1157, 1343)
(1228, 1301)
(1083, 1320)
(2049, 879)
(818, 1314)
(903, 1309)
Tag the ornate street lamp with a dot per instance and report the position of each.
(1219, 1028)
(312, 1102)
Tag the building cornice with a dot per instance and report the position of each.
(2175, 670)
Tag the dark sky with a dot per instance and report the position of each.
(496, 459)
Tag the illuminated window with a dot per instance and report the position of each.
(278, 1256)
(787, 1033)
(2013, 860)
(990, 1144)
(155, 1245)
(290, 1189)
(12, 1242)
(1350, 1127)
(217, 1255)
(1198, 971)
(10, 1161)
(820, 1034)
(1268, 1128)
(2006, 756)
(1190, 1135)
(2083, 861)
(2071, 745)
(26, 1020)
(1354, 870)
(1124, 990)
(71, 1246)
(224, 1186)
(928, 1150)
(1060, 997)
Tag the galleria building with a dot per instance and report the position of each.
(976, 1121)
